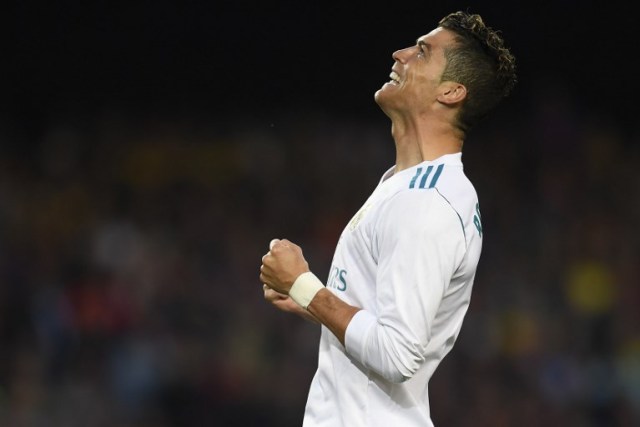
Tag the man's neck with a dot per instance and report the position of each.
(418, 141)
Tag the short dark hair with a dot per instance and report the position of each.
(480, 62)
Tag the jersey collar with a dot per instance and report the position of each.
(454, 159)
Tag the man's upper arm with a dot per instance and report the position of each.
(421, 244)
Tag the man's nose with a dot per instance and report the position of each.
(401, 55)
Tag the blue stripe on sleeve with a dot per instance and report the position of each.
(423, 181)
(413, 180)
(436, 176)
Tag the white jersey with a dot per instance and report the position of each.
(408, 259)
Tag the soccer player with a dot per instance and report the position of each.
(401, 278)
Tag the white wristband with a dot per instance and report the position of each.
(305, 288)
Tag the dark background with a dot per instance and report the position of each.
(150, 150)
(231, 58)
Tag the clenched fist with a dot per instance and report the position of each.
(282, 265)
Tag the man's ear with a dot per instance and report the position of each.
(452, 93)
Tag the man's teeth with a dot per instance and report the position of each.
(395, 78)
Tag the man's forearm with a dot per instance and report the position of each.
(332, 312)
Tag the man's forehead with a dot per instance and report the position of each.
(437, 37)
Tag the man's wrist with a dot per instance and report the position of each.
(306, 286)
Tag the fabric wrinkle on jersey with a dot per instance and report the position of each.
(408, 258)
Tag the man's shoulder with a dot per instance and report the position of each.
(447, 179)
(429, 184)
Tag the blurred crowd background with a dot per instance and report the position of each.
(136, 202)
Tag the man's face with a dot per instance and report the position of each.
(415, 74)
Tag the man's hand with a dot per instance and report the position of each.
(280, 268)
(282, 265)
(286, 304)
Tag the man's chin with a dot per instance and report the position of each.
(380, 97)
(383, 98)
(383, 102)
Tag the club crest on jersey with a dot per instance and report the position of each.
(358, 217)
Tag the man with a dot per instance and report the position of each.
(402, 273)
